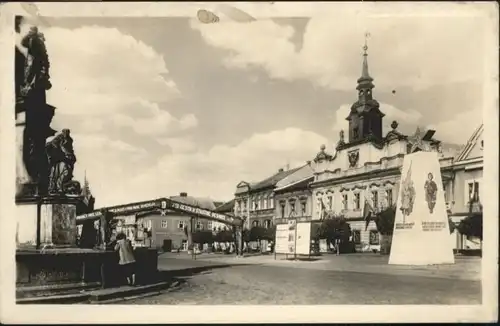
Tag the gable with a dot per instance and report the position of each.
(476, 150)
(473, 148)
(242, 184)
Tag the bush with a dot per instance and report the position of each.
(202, 237)
(472, 226)
(385, 221)
(224, 236)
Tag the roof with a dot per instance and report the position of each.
(226, 207)
(471, 144)
(201, 202)
(272, 180)
(304, 172)
(297, 185)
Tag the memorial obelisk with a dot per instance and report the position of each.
(421, 232)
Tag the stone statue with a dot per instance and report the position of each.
(61, 162)
(33, 114)
(35, 79)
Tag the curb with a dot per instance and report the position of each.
(172, 287)
(104, 295)
(101, 296)
(55, 299)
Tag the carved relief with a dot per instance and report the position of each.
(353, 158)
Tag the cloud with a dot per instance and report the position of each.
(178, 145)
(406, 119)
(109, 77)
(459, 128)
(416, 51)
(216, 172)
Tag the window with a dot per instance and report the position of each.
(282, 204)
(292, 208)
(389, 197)
(255, 223)
(330, 202)
(344, 200)
(199, 225)
(264, 203)
(254, 205)
(209, 225)
(257, 202)
(181, 225)
(163, 224)
(374, 239)
(271, 202)
(356, 236)
(267, 224)
(473, 190)
(303, 208)
(375, 199)
(356, 201)
(148, 224)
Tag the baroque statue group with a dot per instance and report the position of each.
(47, 158)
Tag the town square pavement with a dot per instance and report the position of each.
(328, 279)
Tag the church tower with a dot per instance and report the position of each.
(365, 118)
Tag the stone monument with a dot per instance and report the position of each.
(46, 194)
(421, 232)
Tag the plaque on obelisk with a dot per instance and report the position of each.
(421, 232)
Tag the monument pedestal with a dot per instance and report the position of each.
(47, 254)
(421, 232)
(58, 222)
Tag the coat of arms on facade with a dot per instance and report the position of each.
(353, 158)
(407, 195)
(430, 192)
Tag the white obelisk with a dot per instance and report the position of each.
(421, 231)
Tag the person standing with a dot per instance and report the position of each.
(127, 259)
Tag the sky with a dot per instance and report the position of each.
(158, 106)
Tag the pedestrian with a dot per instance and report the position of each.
(127, 259)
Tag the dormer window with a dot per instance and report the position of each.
(482, 144)
(355, 132)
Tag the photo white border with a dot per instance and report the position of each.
(76, 314)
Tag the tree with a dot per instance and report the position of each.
(334, 228)
(384, 221)
(270, 233)
(224, 236)
(202, 237)
(257, 233)
(472, 226)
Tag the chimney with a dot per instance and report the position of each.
(280, 170)
(183, 194)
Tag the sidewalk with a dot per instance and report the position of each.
(463, 269)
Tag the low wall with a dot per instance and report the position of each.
(56, 266)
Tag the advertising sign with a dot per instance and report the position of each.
(293, 238)
(303, 246)
(281, 243)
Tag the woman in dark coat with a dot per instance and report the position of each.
(127, 259)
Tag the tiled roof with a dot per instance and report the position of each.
(271, 181)
(298, 185)
(205, 203)
(226, 207)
